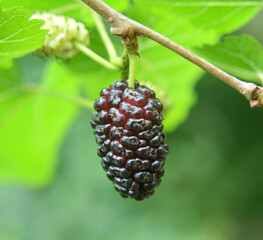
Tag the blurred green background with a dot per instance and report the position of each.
(212, 189)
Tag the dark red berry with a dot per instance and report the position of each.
(127, 126)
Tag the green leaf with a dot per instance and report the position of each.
(218, 16)
(241, 56)
(187, 26)
(174, 80)
(61, 5)
(18, 34)
(33, 126)
(37, 5)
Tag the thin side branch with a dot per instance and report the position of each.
(125, 27)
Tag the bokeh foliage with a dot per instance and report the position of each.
(31, 113)
(211, 189)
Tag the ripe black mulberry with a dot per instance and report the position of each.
(128, 128)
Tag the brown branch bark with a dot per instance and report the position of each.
(126, 27)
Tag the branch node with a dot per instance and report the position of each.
(110, 20)
(257, 97)
(256, 92)
(254, 103)
(131, 43)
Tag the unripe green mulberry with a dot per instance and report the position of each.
(63, 32)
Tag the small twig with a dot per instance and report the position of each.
(95, 57)
(123, 26)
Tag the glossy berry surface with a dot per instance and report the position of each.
(128, 128)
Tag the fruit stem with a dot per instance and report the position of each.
(114, 59)
(94, 56)
(125, 67)
(132, 69)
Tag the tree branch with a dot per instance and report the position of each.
(125, 27)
